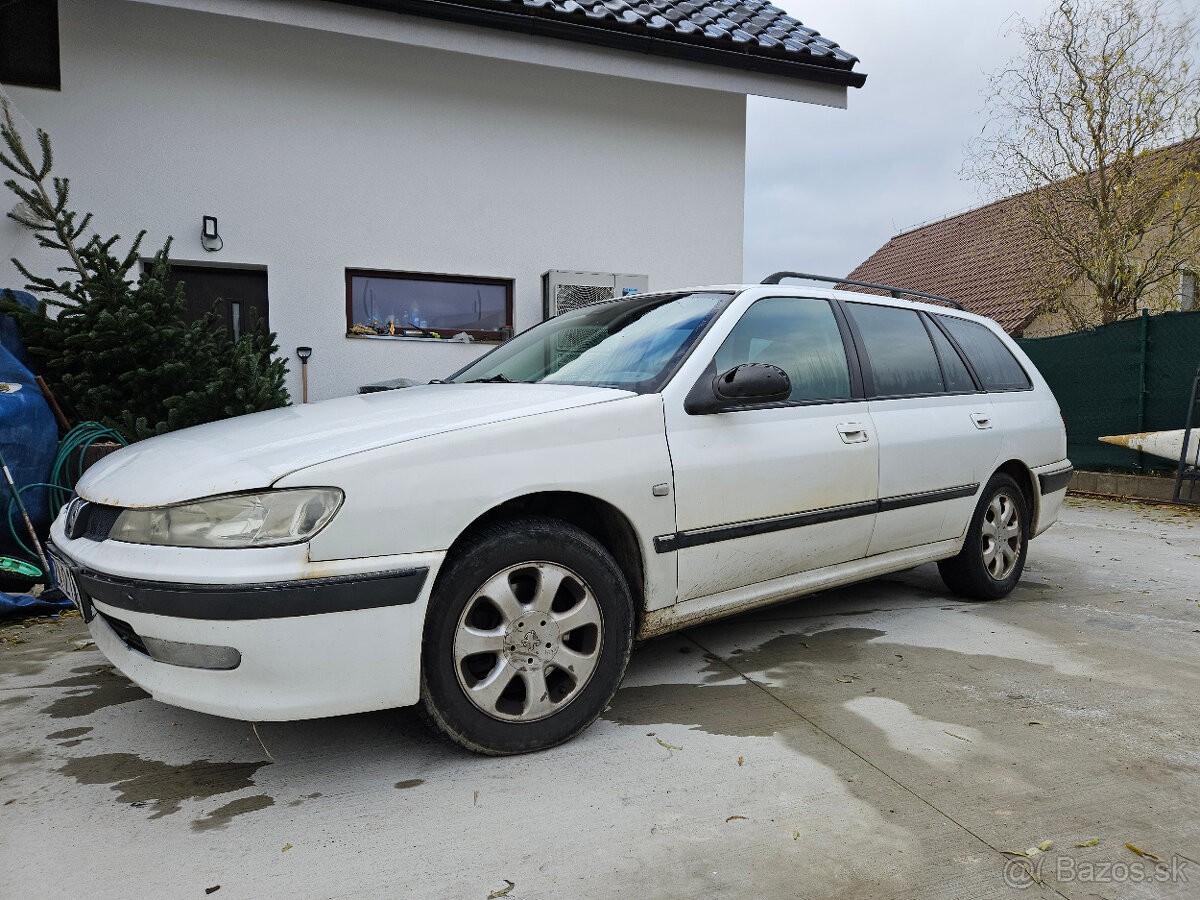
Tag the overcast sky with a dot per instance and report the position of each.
(825, 188)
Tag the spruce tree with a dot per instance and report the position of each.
(118, 351)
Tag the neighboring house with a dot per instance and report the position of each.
(375, 164)
(987, 260)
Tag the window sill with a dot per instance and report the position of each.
(423, 340)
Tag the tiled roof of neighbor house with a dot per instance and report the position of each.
(985, 258)
(743, 34)
(982, 258)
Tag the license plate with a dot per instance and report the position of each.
(65, 579)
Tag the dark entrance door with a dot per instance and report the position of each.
(242, 290)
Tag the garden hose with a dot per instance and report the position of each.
(66, 471)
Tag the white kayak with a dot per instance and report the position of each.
(1167, 444)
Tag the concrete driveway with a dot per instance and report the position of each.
(884, 740)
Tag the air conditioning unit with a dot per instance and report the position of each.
(563, 291)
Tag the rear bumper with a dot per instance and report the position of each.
(1052, 482)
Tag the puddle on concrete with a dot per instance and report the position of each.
(223, 815)
(299, 800)
(19, 758)
(734, 709)
(411, 783)
(141, 782)
(70, 733)
(101, 688)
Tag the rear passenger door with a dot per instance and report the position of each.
(937, 437)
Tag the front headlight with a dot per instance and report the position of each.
(265, 519)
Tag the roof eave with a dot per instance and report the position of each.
(612, 38)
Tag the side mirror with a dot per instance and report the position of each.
(745, 384)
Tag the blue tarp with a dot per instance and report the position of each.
(25, 605)
(28, 436)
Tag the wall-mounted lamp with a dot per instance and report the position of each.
(304, 353)
(210, 240)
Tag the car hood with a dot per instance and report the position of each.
(254, 451)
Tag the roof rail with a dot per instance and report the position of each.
(894, 291)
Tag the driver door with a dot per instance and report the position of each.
(767, 491)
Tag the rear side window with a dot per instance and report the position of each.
(994, 363)
(901, 355)
(800, 336)
(958, 379)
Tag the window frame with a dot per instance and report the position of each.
(509, 285)
(966, 358)
(703, 384)
(868, 373)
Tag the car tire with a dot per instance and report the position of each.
(993, 555)
(527, 637)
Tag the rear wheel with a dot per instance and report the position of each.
(993, 555)
(527, 637)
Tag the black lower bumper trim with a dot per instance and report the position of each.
(236, 602)
(1051, 482)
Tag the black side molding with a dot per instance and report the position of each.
(681, 540)
(236, 602)
(1055, 481)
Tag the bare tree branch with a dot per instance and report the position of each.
(1096, 127)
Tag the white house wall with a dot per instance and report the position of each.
(320, 152)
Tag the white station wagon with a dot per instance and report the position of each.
(489, 546)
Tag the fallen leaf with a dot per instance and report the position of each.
(846, 680)
(500, 893)
(741, 759)
(668, 746)
(1045, 845)
(475, 802)
(1140, 852)
(731, 818)
(286, 848)
(1092, 843)
(795, 835)
(960, 737)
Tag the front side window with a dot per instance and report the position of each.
(994, 363)
(411, 304)
(902, 358)
(632, 344)
(799, 335)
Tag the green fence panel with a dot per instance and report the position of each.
(1098, 378)
(1171, 362)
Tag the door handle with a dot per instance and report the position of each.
(852, 433)
(981, 420)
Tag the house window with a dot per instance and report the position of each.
(415, 304)
(29, 43)
(1188, 284)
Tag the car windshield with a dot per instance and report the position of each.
(633, 344)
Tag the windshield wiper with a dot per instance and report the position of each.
(499, 377)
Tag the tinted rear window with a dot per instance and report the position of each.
(957, 376)
(902, 358)
(994, 363)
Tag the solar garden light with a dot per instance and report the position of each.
(304, 353)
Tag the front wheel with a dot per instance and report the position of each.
(993, 555)
(527, 637)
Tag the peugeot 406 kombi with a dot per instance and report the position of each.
(489, 546)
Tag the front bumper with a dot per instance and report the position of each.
(335, 638)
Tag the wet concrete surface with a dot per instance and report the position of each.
(883, 740)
